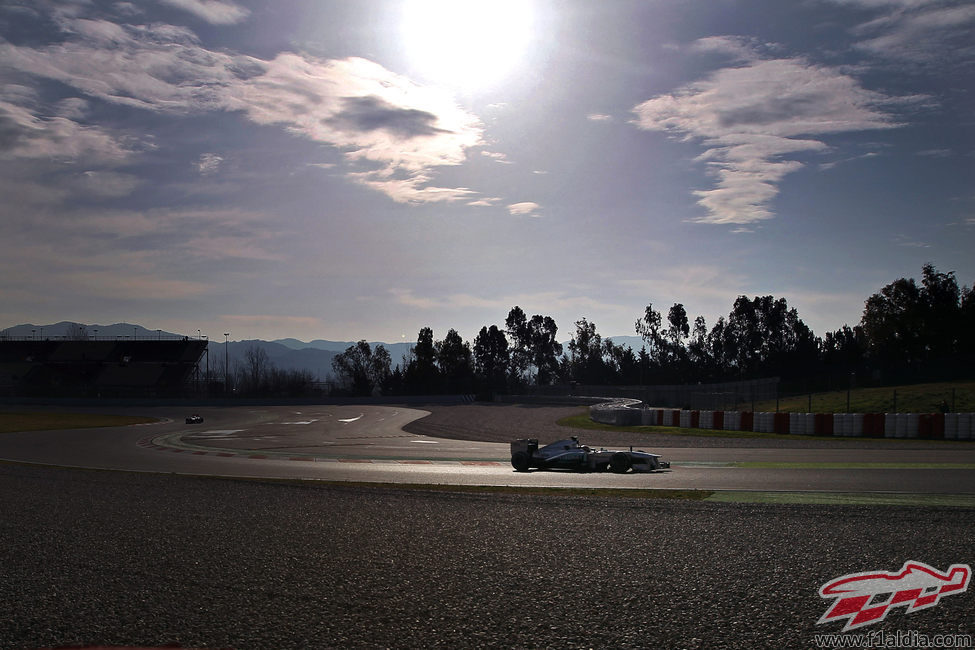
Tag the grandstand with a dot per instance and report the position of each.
(101, 368)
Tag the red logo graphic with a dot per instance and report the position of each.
(865, 598)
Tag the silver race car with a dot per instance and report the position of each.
(569, 454)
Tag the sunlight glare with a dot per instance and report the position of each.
(467, 44)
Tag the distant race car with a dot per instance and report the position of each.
(569, 454)
(194, 419)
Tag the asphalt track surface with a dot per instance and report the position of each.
(369, 444)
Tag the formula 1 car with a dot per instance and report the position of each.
(569, 454)
(194, 419)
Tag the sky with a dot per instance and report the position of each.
(341, 170)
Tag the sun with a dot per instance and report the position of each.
(466, 44)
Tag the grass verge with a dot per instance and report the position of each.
(12, 421)
(912, 398)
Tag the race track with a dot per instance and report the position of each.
(368, 444)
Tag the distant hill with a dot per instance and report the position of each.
(396, 350)
(634, 342)
(69, 328)
(286, 354)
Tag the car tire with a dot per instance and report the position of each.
(521, 461)
(620, 462)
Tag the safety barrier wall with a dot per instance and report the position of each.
(948, 426)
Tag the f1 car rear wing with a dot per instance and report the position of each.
(527, 445)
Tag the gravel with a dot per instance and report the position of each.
(115, 558)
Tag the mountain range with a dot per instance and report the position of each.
(286, 354)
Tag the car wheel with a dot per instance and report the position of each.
(620, 462)
(520, 460)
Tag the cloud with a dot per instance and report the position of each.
(217, 12)
(73, 108)
(918, 32)
(377, 115)
(414, 189)
(909, 242)
(497, 156)
(737, 47)
(410, 299)
(276, 322)
(106, 184)
(373, 114)
(24, 135)
(599, 117)
(865, 156)
(485, 202)
(393, 132)
(209, 163)
(753, 116)
(935, 153)
(525, 208)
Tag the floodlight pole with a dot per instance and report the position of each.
(226, 362)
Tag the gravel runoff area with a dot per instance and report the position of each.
(113, 558)
(506, 422)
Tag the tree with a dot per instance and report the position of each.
(649, 328)
(454, 360)
(545, 348)
(966, 325)
(361, 369)
(697, 347)
(534, 344)
(892, 324)
(917, 328)
(516, 325)
(256, 370)
(621, 363)
(586, 347)
(942, 313)
(763, 336)
(421, 375)
(492, 357)
(679, 328)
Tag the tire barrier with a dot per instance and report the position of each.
(928, 426)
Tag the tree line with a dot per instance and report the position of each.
(908, 332)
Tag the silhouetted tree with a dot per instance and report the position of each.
(454, 360)
(256, 368)
(621, 364)
(492, 358)
(586, 349)
(516, 326)
(649, 328)
(534, 345)
(920, 329)
(361, 369)
(678, 329)
(422, 375)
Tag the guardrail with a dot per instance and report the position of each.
(938, 426)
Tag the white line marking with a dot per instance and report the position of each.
(353, 419)
(215, 433)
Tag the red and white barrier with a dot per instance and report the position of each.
(950, 426)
